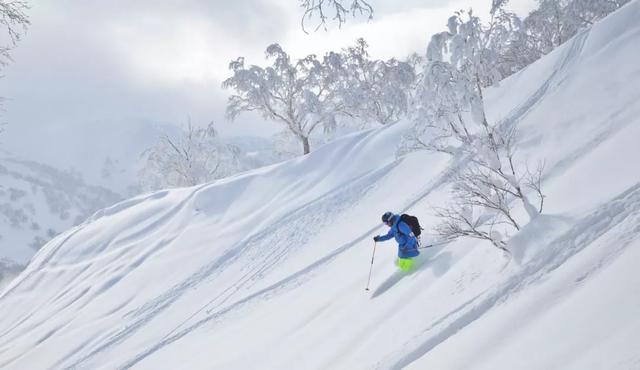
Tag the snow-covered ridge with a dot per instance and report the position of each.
(37, 202)
(267, 269)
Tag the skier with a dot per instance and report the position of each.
(407, 242)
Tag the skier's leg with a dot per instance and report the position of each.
(405, 264)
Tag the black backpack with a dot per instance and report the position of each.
(413, 223)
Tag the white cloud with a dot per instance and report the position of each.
(160, 61)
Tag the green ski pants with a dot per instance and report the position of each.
(405, 264)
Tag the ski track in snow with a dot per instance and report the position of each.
(624, 208)
(250, 261)
(45, 255)
(607, 132)
(468, 312)
(261, 263)
(295, 279)
(572, 54)
(79, 300)
(258, 264)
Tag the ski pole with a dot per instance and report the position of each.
(433, 245)
(426, 246)
(371, 268)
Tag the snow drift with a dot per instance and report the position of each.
(267, 269)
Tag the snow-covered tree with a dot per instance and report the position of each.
(14, 19)
(376, 90)
(449, 99)
(338, 10)
(467, 45)
(450, 118)
(460, 62)
(548, 26)
(506, 40)
(194, 156)
(586, 12)
(441, 106)
(302, 94)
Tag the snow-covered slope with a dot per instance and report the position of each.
(39, 199)
(267, 270)
(36, 203)
(66, 173)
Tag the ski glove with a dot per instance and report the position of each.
(376, 238)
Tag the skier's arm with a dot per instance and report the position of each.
(389, 235)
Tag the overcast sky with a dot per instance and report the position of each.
(99, 63)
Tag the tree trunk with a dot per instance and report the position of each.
(305, 145)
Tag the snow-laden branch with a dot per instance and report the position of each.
(312, 93)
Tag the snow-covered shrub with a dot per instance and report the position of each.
(483, 192)
(194, 157)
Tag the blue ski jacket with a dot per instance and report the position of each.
(407, 243)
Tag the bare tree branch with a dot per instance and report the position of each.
(14, 18)
(192, 157)
(323, 8)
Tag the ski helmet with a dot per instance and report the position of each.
(386, 217)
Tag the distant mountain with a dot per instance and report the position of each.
(37, 202)
(104, 153)
(38, 199)
(8, 271)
